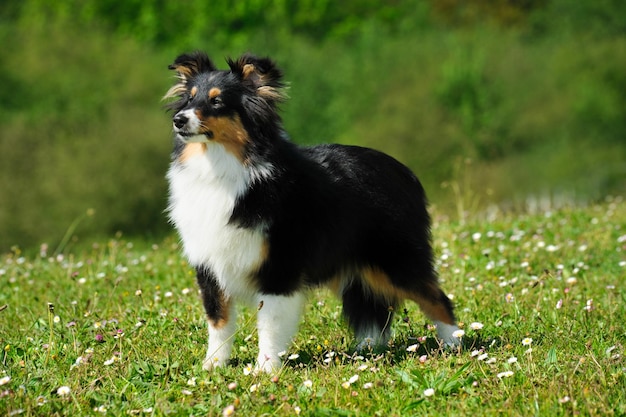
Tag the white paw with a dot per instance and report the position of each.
(368, 343)
(267, 364)
(371, 338)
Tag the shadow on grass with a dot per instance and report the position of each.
(395, 353)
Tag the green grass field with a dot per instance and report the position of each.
(119, 330)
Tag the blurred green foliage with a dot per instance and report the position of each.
(486, 100)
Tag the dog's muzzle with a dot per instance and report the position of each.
(186, 128)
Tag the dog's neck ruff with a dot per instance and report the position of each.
(204, 190)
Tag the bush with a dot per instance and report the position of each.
(82, 131)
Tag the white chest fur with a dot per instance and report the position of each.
(203, 192)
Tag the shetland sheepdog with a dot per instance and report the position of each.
(263, 220)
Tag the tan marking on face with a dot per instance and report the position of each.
(194, 91)
(214, 92)
(192, 149)
(228, 131)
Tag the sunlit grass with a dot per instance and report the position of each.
(119, 330)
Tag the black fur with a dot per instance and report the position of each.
(213, 296)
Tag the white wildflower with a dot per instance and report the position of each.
(458, 333)
(476, 326)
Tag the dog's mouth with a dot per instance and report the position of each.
(189, 137)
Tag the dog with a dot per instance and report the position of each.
(263, 220)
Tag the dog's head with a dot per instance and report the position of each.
(224, 105)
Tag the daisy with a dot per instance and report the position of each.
(228, 411)
(458, 333)
(476, 326)
(248, 369)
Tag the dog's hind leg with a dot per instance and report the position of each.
(368, 314)
(277, 322)
(438, 307)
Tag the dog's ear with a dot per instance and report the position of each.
(188, 65)
(261, 74)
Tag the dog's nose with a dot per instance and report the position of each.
(180, 120)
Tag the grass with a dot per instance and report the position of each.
(119, 330)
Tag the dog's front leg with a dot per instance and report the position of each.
(277, 322)
(222, 320)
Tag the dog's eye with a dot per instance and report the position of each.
(217, 102)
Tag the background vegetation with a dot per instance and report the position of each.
(489, 102)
